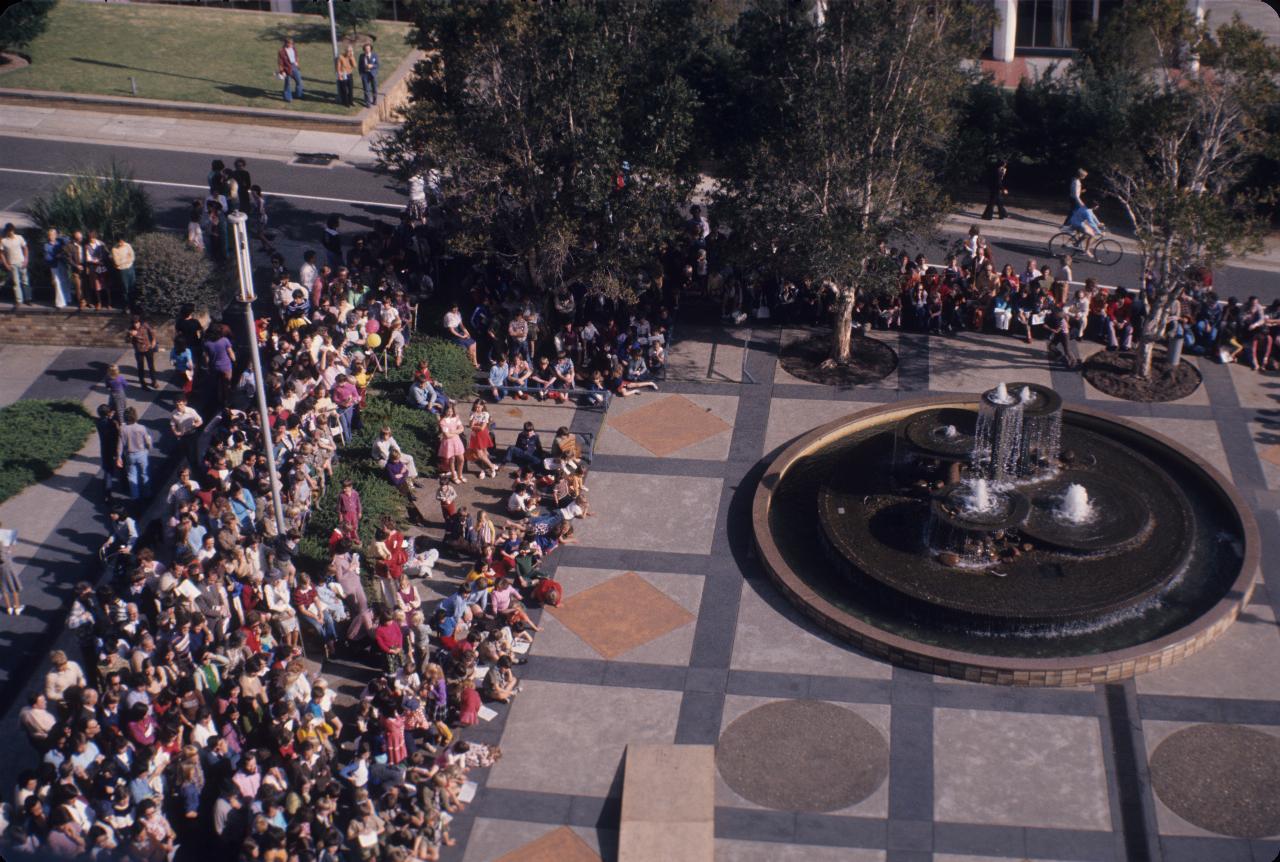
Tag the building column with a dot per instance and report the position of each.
(1002, 42)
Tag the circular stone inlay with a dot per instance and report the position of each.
(1222, 778)
(802, 755)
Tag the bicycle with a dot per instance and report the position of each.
(1106, 252)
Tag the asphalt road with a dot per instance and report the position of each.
(299, 199)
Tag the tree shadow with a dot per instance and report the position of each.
(122, 66)
(306, 32)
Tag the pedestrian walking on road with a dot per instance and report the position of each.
(368, 66)
(996, 190)
(10, 584)
(346, 66)
(288, 70)
(15, 257)
(108, 441)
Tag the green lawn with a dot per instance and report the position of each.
(191, 54)
(36, 438)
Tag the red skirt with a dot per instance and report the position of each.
(479, 444)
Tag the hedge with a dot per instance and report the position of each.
(417, 432)
(172, 274)
(36, 438)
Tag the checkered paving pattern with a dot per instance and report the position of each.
(977, 773)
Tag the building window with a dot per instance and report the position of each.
(1057, 25)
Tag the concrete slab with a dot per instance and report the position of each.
(709, 353)
(1255, 389)
(671, 842)
(519, 841)
(671, 648)
(791, 417)
(1019, 769)
(875, 805)
(1252, 642)
(773, 636)
(976, 362)
(646, 512)
(681, 426)
(765, 851)
(1197, 435)
(566, 738)
(668, 784)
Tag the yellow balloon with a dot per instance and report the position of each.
(373, 341)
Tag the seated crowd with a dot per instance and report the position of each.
(190, 725)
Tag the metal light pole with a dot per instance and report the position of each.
(239, 227)
(333, 31)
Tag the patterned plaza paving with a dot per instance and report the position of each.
(671, 633)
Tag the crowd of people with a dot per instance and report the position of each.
(190, 723)
(85, 271)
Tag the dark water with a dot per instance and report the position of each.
(1216, 553)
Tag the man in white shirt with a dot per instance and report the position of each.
(14, 256)
(308, 271)
(65, 674)
(384, 444)
(185, 424)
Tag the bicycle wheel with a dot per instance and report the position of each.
(1107, 252)
(1062, 244)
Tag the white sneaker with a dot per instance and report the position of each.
(19, 609)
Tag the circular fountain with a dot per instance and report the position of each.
(1008, 540)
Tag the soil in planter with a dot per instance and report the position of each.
(1112, 373)
(869, 360)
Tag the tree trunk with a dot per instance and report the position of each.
(842, 323)
(1142, 357)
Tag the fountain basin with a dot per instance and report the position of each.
(1150, 604)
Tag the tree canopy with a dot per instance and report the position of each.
(564, 130)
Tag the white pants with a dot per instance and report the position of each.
(422, 565)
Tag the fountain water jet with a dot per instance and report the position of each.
(1076, 507)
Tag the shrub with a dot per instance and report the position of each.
(417, 432)
(106, 200)
(171, 274)
(351, 16)
(36, 438)
(23, 22)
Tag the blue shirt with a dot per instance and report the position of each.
(53, 251)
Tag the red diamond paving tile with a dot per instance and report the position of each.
(621, 614)
(668, 424)
(558, 845)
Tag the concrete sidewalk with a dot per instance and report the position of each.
(169, 133)
(1030, 224)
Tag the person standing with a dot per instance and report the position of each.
(57, 263)
(95, 260)
(134, 449)
(74, 256)
(244, 183)
(108, 425)
(14, 256)
(996, 190)
(287, 69)
(143, 340)
(346, 66)
(368, 66)
(123, 258)
(10, 584)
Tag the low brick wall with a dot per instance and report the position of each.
(69, 327)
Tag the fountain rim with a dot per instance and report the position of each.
(1105, 666)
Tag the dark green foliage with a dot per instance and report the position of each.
(533, 108)
(417, 432)
(23, 22)
(103, 199)
(170, 273)
(351, 16)
(36, 438)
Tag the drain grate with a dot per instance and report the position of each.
(315, 160)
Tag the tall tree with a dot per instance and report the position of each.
(853, 111)
(564, 130)
(1180, 142)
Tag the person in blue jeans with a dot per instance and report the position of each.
(133, 455)
(287, 69)
(367, 65)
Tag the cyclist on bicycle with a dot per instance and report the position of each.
(1087, 229)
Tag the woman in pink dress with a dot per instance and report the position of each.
(393, 736)
(452, 448)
